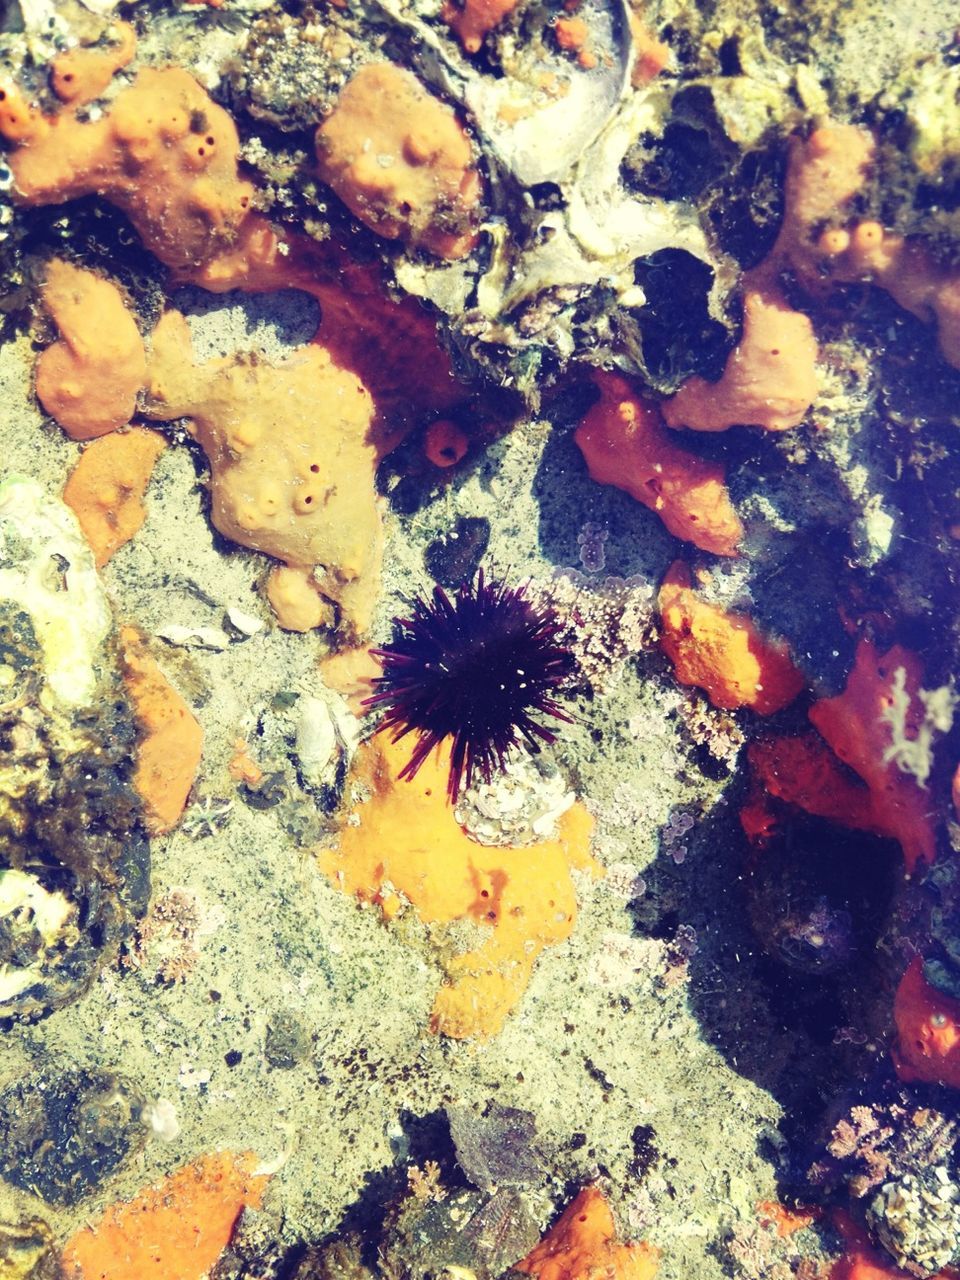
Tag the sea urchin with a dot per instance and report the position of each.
(474, 668)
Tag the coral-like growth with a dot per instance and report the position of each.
(624, 443)
(475, 670)
(171, 740)
(770, 378)
(405, 843)
(723, 653)
(400, 160)
(583, 1243)
(105, 489)
(88, 380)
(176, 1229)
(164, 153)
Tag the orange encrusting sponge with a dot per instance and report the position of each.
(105, 489)
(171, 740)
(174, 1231)
(89, 378)
(624, 443)
(583, 1245)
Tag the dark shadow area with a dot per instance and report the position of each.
(779, 947)
(94, 234)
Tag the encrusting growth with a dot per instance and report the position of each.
(170, 742)
(769, 380)
(723, 653)
(405, 844)
(105, 489)
(81, 74)
(291, 466)
(174, 1231)
(163, 152)
(401, 161)
(624, 443)
(89, 378)
(583, 1244)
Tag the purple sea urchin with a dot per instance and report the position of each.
(475, 668)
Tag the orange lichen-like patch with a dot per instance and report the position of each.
(163, 152)
(242, 766)
(81, 74)
(174, 1231)
(573, 36)
(858, 725)
(400, 160)
(624, 443)
(473, 20)
(292, 466)
(786, 1220)
(106, 488)
(770, 377)
(89, 378)
(723, 653)
(404, 844)
(582, 1245)
(171, 740)
(928, 1030)
(651, 56)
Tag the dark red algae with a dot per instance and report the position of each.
(476, 667)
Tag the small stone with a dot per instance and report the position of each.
(287, 1041)
(455, 556)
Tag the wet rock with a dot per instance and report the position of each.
(484, 1235)
(62, 1135)
(497, 1149)
(27, 1251)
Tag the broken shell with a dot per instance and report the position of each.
(245, 623)
(194, 637)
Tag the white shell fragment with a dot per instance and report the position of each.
(47, 571)
(245, 623)
(160, 1118)
(326, 732)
